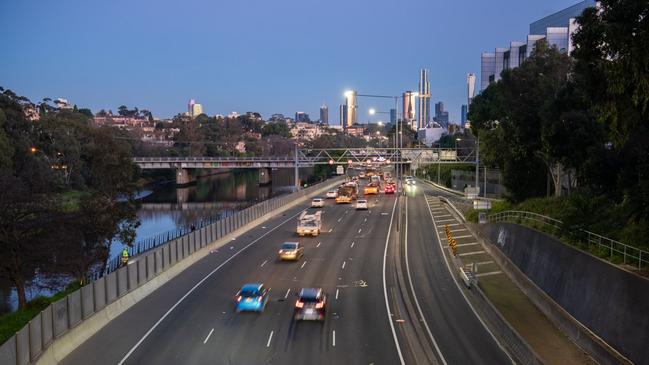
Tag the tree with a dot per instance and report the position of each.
(517, 116)
(276, 128)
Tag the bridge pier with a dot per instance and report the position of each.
(264, 176)
(184, 178)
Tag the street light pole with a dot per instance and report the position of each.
(477, 165)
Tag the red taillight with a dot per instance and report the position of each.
(259, 298)
(239, 298)
(319, 305)
(299, 304)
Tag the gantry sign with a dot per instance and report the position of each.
(357, 156)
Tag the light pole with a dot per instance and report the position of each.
(399, 141)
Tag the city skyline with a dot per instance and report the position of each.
(89, 68)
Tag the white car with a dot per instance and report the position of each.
(361, 204)
(332, 194)
(317, 203)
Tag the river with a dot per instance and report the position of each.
(166, 208)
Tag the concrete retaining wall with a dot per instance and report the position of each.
(594, 302)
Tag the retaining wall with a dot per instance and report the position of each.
(597, 304)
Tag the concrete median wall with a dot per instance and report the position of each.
(600, 306)
(67, 323)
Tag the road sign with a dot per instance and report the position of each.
(340, 170)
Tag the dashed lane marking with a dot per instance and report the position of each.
(352, 245)
(336, 294)
(288, 291)
(270, 338)
(208, 336)
(263, 263)
(304, 263)
(318, 245)
(343, 267)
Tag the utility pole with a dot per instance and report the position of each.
(297, 170)
(477, 164)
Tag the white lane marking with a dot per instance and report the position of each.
(270, 337)
(467, 244)
(208, 336)
(264, 263)
(455, 230)
(488, 273)
(459, 288)
(330, 229)
(343, 267)
(359, 230)
(446, 220)
(365, 220)
(352, 245)
(443, 216)
(304, 263)
(471, 253)
(318, 245)
(334, 338)
(340, 219)
(414, 294)
(465, 236)
(288, 291)
(336, 294)
(155, 325)
(385, 287)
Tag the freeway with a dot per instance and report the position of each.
(203, 328)
(391, 299)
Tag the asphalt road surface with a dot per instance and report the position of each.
(191, 319)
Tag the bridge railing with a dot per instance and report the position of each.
(614, 251)
(64, 315)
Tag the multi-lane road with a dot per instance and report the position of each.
(391, 298)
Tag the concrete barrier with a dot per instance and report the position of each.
(8, 352)
(35, 337)
(600, 307)
(58, 333)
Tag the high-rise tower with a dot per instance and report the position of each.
(350, 109)
(324, 114)
(424, 99)
(408, 106)
(470, 87)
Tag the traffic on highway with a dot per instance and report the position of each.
(322, 283)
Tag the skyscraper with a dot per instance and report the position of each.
(393, 116)
(343, 115)
(464, 112)
(350, 109)
(324, 114)
(424, 99)
(441, 116)
(194, 109)
(408, 106)
(301, 117)
(470, 87)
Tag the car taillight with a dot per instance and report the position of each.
(319, 305)
(239, 298)
(259, 298)
(280, 251)
(299, 304)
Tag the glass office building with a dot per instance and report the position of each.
(487, 69)
(557, 29)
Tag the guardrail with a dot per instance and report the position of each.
(62, 316)
(630, 255)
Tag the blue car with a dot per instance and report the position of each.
(251, 298)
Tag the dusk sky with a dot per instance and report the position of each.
(277, 56)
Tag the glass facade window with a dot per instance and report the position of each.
(560, 18)
(487, 69)
(558, 37)
(500, 62)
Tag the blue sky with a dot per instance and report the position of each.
(270, 56)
